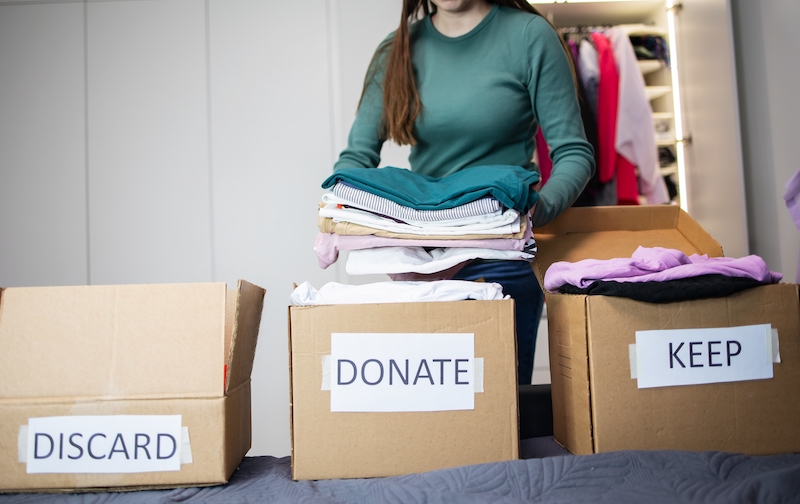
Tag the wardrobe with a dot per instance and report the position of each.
(694, 101)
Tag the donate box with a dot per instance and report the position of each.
(125, 387)
(708, 374)
(391, 389)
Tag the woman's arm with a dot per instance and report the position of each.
(366, 139)
(555, 106)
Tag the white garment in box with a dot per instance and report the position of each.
(395, 292)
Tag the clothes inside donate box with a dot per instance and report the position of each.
(395, 292)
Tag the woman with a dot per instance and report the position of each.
(468, 83)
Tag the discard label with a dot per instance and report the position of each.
(385, 372)
(694, 356)
(104, 444)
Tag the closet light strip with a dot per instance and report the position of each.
(672, 8)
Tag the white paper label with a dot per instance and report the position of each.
(693, 356)
(383, 372)
(104, 444)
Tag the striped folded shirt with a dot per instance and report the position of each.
(378, 204)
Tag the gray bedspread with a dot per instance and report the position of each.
(552, 477)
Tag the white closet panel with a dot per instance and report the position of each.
(42, 160)
(149, 198)
(715, 175)
(272, 148)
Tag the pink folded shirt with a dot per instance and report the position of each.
(328, 245)
(655, 264)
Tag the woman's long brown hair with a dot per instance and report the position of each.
(401, 103)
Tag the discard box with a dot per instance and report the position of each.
(599, 407)
(125, 387)
(364, 403)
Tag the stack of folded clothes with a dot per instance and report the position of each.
(404, 224)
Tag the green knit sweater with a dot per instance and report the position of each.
(484, 94)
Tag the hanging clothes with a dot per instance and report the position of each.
(611, 164)
(792, 199)
(634, 139)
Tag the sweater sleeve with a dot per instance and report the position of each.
(555, 107)
(365, 139)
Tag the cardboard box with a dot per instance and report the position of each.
(356, 444)
(118, 367)
(598, 407)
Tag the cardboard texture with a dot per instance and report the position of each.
(597, 406)
(355, 445)
(171, 349)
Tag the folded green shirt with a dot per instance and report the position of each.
(510, 185)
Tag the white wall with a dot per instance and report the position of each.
(43, 238)
(769, 74)
(180, 141)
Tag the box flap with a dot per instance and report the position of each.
(610, 232)
(244, 333)
(112, 341)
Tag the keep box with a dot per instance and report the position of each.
(598, 406)
(124, 387)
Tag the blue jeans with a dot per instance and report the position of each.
(520, 283)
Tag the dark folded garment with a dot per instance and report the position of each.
(685, 289)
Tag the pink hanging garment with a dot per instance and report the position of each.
(607, 99)
(792, 198)
(543, 153)
(611, 163)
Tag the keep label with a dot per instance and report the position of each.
(672, 357)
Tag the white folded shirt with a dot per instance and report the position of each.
(395, 292)
(383, 206)
(393, 260)
(506, 223)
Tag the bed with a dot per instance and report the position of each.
(546, 474)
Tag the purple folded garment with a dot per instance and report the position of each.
(655, 264)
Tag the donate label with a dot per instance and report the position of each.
(385, 372)
(104, 444)
(694, 356)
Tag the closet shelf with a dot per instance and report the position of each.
(640, 29)
(650, 66)
(665, 142)
(654, 92)
(668, 170)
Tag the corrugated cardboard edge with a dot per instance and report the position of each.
(238, 427)
(698, 236)
(246, 322)
(291, 389)
(569, 358)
